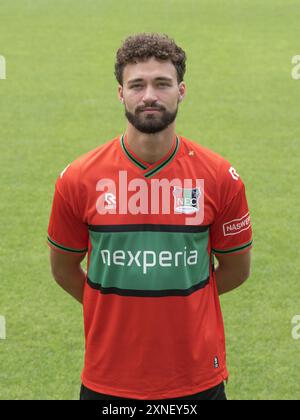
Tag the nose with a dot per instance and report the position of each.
(150, 96)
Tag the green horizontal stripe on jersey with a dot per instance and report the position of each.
(148, 293)
(148, 228)
(56, 245)
(232, 250)
(152, 261)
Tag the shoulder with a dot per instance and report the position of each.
(93, 157)
(202, 153)
(89, 159)
(224, 177)
(76, 171)
(209, 158)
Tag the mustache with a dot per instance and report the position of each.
(158, 108)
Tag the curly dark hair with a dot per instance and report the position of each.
(143, 46)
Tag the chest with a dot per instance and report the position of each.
(124, 198)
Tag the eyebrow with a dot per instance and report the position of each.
(168, 79)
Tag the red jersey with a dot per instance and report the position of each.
(152, 317)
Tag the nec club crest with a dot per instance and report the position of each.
(186, 200)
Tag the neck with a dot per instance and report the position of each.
(150, 147)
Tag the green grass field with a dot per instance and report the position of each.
(59, 100)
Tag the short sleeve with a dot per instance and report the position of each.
(231, 231)
(67, 232)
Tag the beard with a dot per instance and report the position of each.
(151, 123)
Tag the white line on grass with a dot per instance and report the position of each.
(296, 328)
(2, 68)
(296, 68)
(2, 328)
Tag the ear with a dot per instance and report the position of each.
(182, 91)
(120, 93)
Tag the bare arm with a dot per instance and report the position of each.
(233, 271)
(67, 272)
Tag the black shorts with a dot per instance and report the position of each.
(216, 393)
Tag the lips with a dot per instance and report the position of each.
(151, 110)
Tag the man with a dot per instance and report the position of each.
(151, 209)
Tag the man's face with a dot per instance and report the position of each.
(151, 94)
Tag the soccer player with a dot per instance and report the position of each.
(153, 211)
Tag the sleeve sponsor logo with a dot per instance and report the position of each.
(236, 226)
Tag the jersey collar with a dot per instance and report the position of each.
(150, 170)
